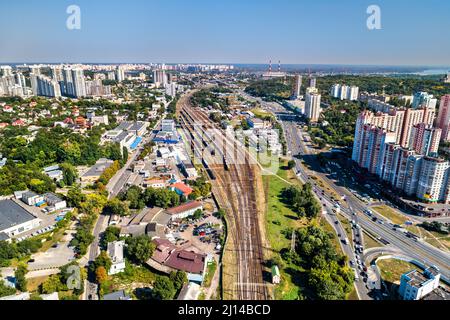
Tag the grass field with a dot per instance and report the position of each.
(212, 266)
(279, 218)
(282, 220)
(370, 242)
(390, 214)
(392, 269)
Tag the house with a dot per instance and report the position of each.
(31, 198)
(189, 170)
(118, 295)
(15, 220)
(173, 258)
(54, 201)
(276, 277)
(155, 183)
(255, 123)
(115, 252)
(18, 123)
(185, 210)
(54, 172)
(181, 189)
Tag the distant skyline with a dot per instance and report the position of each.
(414, 33)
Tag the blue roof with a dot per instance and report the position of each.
(136, 143)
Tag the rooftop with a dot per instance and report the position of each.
(11, 214)
(185, 207)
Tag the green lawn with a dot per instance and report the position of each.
(390, 214)
(370, 242)
(279, 218)
(212, 266)
(392, 269)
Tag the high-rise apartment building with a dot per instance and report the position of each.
(425, 139)
(312, 106)
(79, 83)
(424, 100)
(433, 181)
(297, 86)
(443, 118)
(120, 73)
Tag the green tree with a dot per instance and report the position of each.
(21, 281)
(5, 290)
(140, 248)
(116, 206)
(179, 279)
(163, 288)
(70, 174)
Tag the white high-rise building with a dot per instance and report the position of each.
(353, 93)
(297, 86)
(433, 180)
(171, 89)
(335, 90)
(68, 86)
(6, 70)
(57, 74)
(424, 100)
(45, 86)
(312, 106)
(79, 83)
(160, 78)
(120, 73)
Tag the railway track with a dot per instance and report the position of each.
(234, 188)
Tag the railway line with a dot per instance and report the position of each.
(233, 179)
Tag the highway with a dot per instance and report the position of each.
(417, 249)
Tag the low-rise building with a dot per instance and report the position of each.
(185, 210)
(55, 202)
(115, 252)
(94, 173)
(31, 198)
(415, 285)
(15, 220)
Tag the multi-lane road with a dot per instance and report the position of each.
(419, 250)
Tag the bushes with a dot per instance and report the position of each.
(21, 281)
(140, 249)
(109, 173)
(302, 201)
(328, 277)
(6, 291)
(18, 251)
(163, 289)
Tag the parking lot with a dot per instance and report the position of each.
(58, 255)
(202, 234)
(48, 220)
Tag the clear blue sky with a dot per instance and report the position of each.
(235, 31)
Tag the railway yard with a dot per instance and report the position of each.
(235, 184)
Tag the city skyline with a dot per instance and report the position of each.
(235, 32)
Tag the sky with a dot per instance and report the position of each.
(413, 32)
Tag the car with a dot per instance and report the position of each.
(31, 261)
(55, 245)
